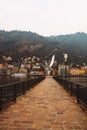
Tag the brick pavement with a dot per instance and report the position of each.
(45, 107)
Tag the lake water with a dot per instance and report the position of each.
(8, 79)
(11, 79)
(81, 80)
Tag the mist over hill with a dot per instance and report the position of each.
(24, 44)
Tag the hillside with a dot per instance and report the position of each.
(74, 44)
(23, 44)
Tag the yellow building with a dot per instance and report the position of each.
(54, 72)
(1, 66)
(77, 72)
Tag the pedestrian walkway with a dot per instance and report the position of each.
(47, 106)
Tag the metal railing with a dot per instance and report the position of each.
(75, 89)
(10, 92)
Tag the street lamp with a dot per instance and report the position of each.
(65, 63)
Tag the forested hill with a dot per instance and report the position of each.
(23, 44)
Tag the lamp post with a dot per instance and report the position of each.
(65, 63)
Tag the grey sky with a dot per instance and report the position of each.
(45, 17)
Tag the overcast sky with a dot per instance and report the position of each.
(45, 17)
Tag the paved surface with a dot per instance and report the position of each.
(45, 107)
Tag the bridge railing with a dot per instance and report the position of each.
(75, 89)
(10, 92)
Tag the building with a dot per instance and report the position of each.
(77, 72)
(1, 66)
(63, 70)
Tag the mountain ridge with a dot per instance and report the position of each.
(22, 44)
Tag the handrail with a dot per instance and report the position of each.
(75, 89)
(10, 92)
(17, 82)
